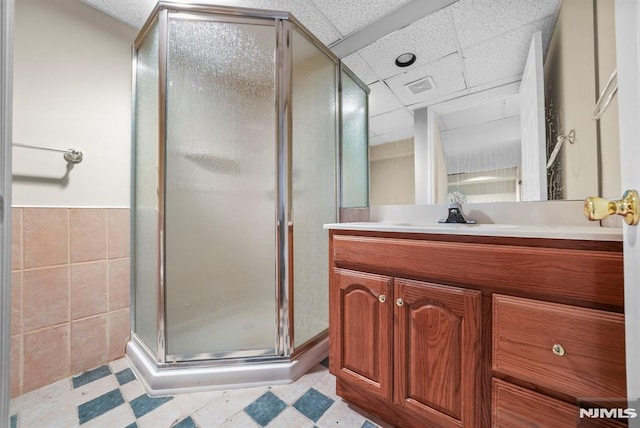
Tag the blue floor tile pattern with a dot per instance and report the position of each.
(325, 362)
(125, 376)
(90, 376)
(145, 404)
(186, 423)
(100, 405)
(313, 404)
(265, 409)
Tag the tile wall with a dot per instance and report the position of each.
(70, 292)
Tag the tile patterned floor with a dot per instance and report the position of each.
(111, 397)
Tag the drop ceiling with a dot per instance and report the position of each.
(465, 47)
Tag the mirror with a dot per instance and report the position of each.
(477, 125)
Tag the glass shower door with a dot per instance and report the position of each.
(220, 209)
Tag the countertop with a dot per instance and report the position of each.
(505, 230)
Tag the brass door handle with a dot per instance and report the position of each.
(598, 208)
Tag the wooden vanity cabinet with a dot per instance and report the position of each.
(420, 340)
(410, 344)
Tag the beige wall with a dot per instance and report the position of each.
(609, 131)
(72, 88)
(570, 87)
(575, 73)
(391, 174)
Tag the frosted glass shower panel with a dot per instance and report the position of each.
(220, 188)
(313, 177)
(146, 254)
(355, 145)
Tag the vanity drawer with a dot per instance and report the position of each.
(515, 407)
(574, 351)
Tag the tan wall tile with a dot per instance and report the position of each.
(118, 232)
(119, 329)
(88, 289)
(119, 284)
(16, 365)
(45, 296)
(46, 357)
(45, 236)
(88, 343)
(16, 238)
(88, 232)
(16, 302)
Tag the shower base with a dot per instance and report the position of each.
(168, 379)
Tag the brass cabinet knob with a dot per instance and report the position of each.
(382, 298)
(558, 350)
(598, 208)
(400, 302)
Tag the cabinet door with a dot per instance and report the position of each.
(437, 352)
(361, 329)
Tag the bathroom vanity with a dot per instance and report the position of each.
(476, 326)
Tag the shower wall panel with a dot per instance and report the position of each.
(313, 177)
(220, 188)
(146, 246)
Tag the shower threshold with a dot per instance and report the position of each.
(174, 378)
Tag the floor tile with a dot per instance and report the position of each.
(172, 412)
(145, 404)
(43, 395)
(265, 408)
(125, 376)
(133, 425)
(99, 405)
(290, 417)
(120, 416)
(186, 423)
(93, 390)
(368, 424)
(290, 392)
(313, 404)
(119, 365)
(340, 414)
(131, 390)
(14, 421)
(325, 362)
(228, 405)
(90, 376)
(239, 420)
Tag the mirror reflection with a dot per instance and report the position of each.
(486, 111)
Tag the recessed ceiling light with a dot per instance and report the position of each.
(406, 59)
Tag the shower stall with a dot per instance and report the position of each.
(237, 130)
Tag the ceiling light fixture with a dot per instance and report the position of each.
(406, 59)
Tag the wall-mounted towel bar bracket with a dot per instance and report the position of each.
(70, 155)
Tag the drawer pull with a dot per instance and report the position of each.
(558, 350)
(382, 298)
(400, 302)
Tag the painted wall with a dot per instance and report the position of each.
(392, 178)
(72, 88)
(575, 74)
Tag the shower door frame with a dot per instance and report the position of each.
(283, 24)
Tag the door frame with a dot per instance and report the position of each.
(628, 63)
(6, 65)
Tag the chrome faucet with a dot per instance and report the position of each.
(456, 215)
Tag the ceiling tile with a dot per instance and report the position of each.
(446, 74)
(381, 99)
(360, 68)
(391, 121)
(503, 56)
(480, 20)
(477, 114)
(351, 15)
(134, 13)
(430, 38)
